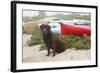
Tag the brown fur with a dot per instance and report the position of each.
(51, 41)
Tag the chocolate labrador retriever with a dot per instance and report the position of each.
(51, 41)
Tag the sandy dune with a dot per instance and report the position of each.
(34, 54)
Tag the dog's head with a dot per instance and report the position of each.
(45, 28)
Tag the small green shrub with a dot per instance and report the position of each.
(78, 42)
(36, 37)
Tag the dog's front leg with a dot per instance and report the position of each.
(54, 50)
(48, 49)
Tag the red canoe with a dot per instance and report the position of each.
(79, 30)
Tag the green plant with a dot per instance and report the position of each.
(78, 42)
(36, 37)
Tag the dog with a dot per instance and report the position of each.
(51, 41)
